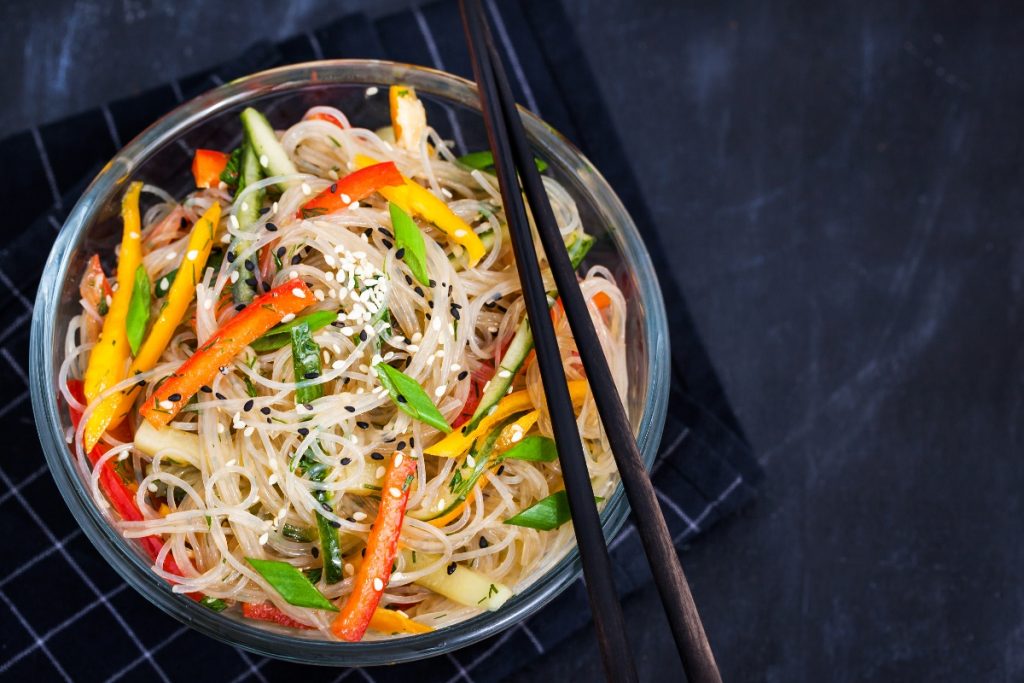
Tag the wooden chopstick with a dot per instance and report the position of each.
(684, 620)
(597, 569)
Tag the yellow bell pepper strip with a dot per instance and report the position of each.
(408, 117)
(393, 621)
(457, 443)
(114, 408)
(264, 312)
(110, 355)
(415, 199)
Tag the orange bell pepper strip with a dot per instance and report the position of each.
(207, 165)
(352, 188)
(383, 620)
(264, 312)
(381, 547)
(115, 408)
(413, 198)
(109, 357)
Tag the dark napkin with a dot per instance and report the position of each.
(86, 625)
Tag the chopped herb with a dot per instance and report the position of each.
(410, 398)
(216, 604)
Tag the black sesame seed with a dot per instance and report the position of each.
(418, 290)
(431, 304)
(336, 525)
(231, 257)
(408, 280)
(265, 210)
(401, 399)
(391, 439)
(248, 405)
(463, 375)
(451, 568)
(433, 282)
(362, 335)
(315, 552)
(484, 542)
(265, 410)
(281, 251)
(363, 553)
(387, 233)
(377, 456)
(501, 469)
(326, 506)
(312, 374)
(251, 281)
(174, 397)
(266, 286)
(250, 265)
(368, 233)
(239, 307)
(296, 259)
(400, 446)
(400, 253)
(412, 442)
(182, 223)
(334, 188)
(271, 227)
(350, 520)
(350, 409)
(308, 407)
(221, 396)
(205, 389)
(455, 313)
(303, 431)
(427, 314)
(387, 244)
(363, 425)
(346, 461)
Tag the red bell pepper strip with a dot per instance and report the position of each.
(381, 547)
(267, 611)
(251, 323)
(94, 288)
(352, 188)
(321, 116)
(117, 491)
(207, 165)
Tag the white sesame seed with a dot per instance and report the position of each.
(109, 299)
(398, 459)
(299, 293)
(192, 255)
(345, 199)
(378, 585)
(245, 206)
(272, 479)
(338, 364)
(225, 238)
(134, 235)
(417, 337)
(166, 405)
(355, 205)
(440, 505)
(164, 283)
(273, 207)
(171, 256)
(471, 461)
(412, 348)
(264, 538)
(264, 161)
(456, 367)
(208, 303)
(233, 220)
(379, 474)
(234, 276)
(372, 90)
(220, 428)
(292, 274)
(446, 192)
(153, 487)
(123, 456)
(439, 392)
(359, 515)
(288, 318)
(249, 431)
(504, 374)
(319, 295)
(460, 232)
(306, 189)
(329, 276)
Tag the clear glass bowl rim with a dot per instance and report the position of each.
(129, 563)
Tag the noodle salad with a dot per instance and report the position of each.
(307, 388)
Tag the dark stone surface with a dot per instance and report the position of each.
(841, 187)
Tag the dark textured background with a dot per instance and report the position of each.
(839, 184)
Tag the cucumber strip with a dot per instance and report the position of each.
(330, 545)
(272, 158)
(521, 345)
(459, 262)
(306, 364)
(182, 448)
(244, 289)
(459, 583)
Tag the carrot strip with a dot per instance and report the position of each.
(251, 323)
(381, 547)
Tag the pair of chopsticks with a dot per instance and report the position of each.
(514, 163)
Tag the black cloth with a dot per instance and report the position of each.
(704, 472)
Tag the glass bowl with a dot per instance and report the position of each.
(161, 155)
